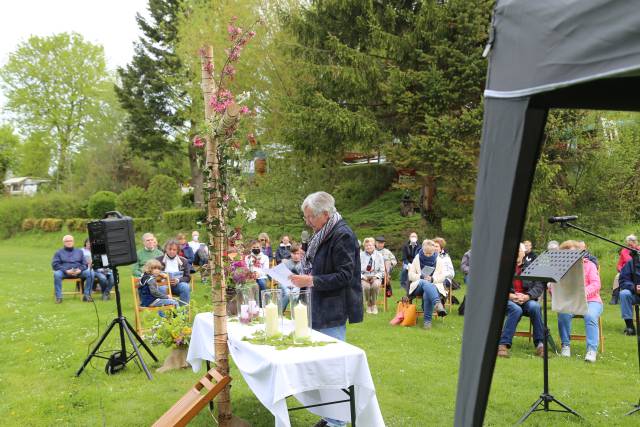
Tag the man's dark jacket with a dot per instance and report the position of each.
(532, 288)
(337, 293)
(626, 279)
(409, 252)
(185, 269)
(67, 259)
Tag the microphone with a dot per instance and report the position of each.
(553, 219)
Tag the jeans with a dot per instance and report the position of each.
(106, 281)
(339, 333)
(430, 297)
(514, 313)
(404, 277)
(262, 284)
(183, 291)
(590, 326)
(627, 300)
(58, 275)
(286, 292)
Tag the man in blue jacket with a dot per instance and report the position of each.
(629, 294)
(332, 270)
(69, 263)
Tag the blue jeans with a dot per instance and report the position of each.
(183, 291)
(627, 300)
(286, 292)
(404, 277)
(590, 326)
(106, 281)
(339, 333)
(58, 275)
(262, 284)
(514, 313)
(430, 297)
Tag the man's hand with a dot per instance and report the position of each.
(301, 280)
(513, 297)
(522, 298)
(173, 282)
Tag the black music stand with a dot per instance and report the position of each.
(550, 266)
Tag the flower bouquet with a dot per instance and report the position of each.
(172, 329)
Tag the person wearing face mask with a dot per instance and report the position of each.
(200, 250)
(258, 263)
(409, 252)
(178, 269)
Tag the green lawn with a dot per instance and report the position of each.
(415, 371)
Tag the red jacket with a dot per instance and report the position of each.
(625, 257)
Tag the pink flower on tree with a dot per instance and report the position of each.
(198, 142)
(221, 101)
(244, 110)
(229, 70)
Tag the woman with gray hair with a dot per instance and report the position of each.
(426, 270)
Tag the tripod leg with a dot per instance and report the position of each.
(125, 327)
(565, 407)
(634, 410)
(531, 410)
(140, 340)
(97, 346)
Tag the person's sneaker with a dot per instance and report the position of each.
(590, 356)
(565, 351)
(426, 325)
(321, 423)
(369, 309)
(58, 300)
(503, 351)
(440, 310)
(106, 297)
(540, 350)
(374, 309)
(629, 331)
(87, 298)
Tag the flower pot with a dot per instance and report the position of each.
(177, 359)
(260, 166)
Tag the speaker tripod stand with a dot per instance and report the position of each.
(120, 358)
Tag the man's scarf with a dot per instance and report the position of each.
(317, 239)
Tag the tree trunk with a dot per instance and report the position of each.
(197, 178)
(427, 202)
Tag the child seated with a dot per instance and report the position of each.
(294, 264)
(152, 285)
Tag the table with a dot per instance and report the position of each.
(313, 375)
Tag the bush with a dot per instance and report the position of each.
(184, 219)
(29, 224)
(50, 224)
(13, 210)
(101, 203)
(133, 202)
(187, 199)
(143, 225)
(163, 195)
(360, 184)
(57, 205)
(77, 224)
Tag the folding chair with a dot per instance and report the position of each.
(137, 309)
(78, 288)
(185, 409)
(382, 292)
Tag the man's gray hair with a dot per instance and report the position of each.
(631, 238)
(145, 236)
(320, 202)
(553, 245)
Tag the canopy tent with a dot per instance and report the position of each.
(543, 54)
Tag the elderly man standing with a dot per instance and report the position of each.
(149, 251)
(69, 263)
(332, 270)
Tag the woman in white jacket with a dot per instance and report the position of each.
(371, 273)
(429, 286)
(449, 272)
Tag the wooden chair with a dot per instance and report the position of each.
(579, 337)
(382, 293)
(526, 334)
(78, 289)
(137, 309)
(185, 409)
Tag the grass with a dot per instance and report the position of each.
(414, 371)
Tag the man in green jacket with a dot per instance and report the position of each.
(149, 251)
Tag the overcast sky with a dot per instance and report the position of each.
(110, 23)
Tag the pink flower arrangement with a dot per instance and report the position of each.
(239, 272)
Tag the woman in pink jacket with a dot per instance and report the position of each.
(594, 303)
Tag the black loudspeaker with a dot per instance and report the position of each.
(112, 241)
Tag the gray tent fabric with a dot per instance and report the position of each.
(545, 54)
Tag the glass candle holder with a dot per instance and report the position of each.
(272, 311)
(301, 314)
(246, 300)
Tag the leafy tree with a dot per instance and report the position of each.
(133, 202)
(8, 149)
(54, 86)
(34, 155)
(101, 203)
(163, 194)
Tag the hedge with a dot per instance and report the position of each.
(144, 225)
(183, 219)
(101, 203)
(76, 224)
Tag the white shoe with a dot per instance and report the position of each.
(566, 351)
(368, 309)
(591, 356)
(374, 309)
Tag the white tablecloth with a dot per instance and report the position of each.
(312, 374)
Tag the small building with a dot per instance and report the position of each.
(22, 186)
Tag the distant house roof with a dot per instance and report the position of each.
(24, 180)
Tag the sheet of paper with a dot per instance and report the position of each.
(280, 273)
(569, 296)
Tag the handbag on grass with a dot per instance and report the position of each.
(410, 315)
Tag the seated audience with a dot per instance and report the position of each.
(294, 264)
(529, 254)
(582, 246)
(104, 275)
(594, 303)
(178, 269)
(265, 245)
(70, 263)
(185, 250)
(465, 266)
(422, 283)
(523, 297)
(449, 272)
(625, 255)
(553, 245)
(152, 282)
(409, 251)
(194, 243)
(371, 274)
(284, 250)
(149, 251)
(390, 260)
(258, 264)
(629, 295)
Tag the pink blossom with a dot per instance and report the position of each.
(252, 33)
(209, 67)
(225, 198)
(229, 70)
(198, 142)
(244, 110)
(220, 102)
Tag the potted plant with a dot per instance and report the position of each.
(173, 329)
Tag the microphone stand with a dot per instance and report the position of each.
(635, 254)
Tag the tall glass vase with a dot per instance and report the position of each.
(301, 314)
(272, 311)
(247, 302)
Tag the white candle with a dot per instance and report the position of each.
(271, 319)
(301, 320)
